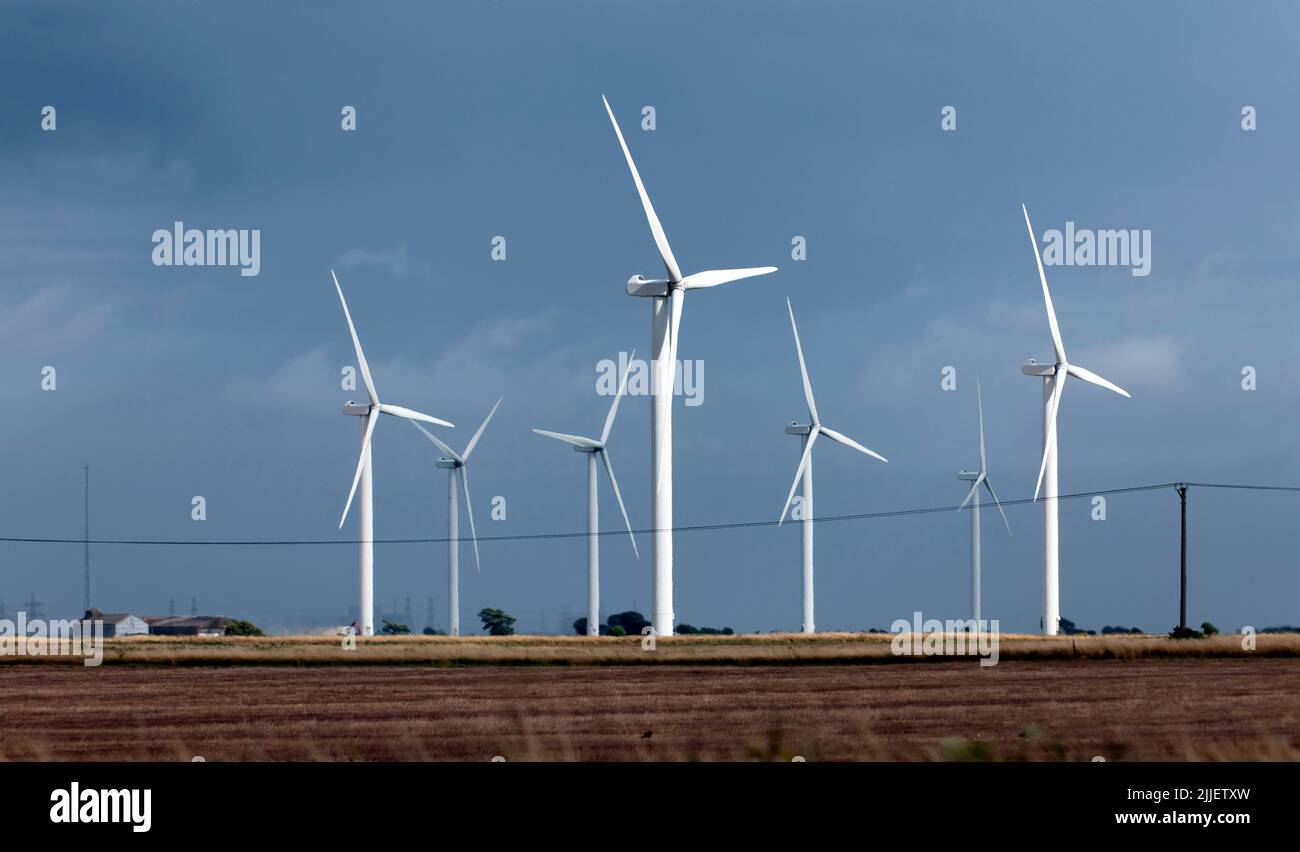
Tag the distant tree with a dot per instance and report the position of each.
(1185, 633)
(617, 630)
(1068, 628)
(687, 630)
(1109, 629)
(580, 626)
(1209, 629)
(394, 628)
(497, 622)
(429, 631)
(243, 628)
(631, 621)
(1281, 628)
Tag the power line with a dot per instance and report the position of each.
(561, 535)
(858, 516)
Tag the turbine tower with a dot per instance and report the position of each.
(593, 447)
(667, 296)
(454, 463)
(369, 414)
(809, 434)
(1053, 376)
(978, 478)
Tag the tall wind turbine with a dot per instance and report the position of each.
(978, 478)
(454, 463)
(1053, 376)
(809, 434)
(369, 414)
(593, 447)
(667, 296)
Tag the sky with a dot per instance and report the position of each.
(773, 120)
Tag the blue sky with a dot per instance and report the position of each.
(774, 119)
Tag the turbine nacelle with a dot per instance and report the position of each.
(798, 428)
(969, 475)
(356, 409)
(1033, 368)
(447, 464)
(639, 285)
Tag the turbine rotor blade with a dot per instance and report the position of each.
(714, 277)
(371, 419)
(979, 396)
(410, 414)
(849, 442)
(676, 299)
(613, 408)
(1092, 378)
(656, 229)
(609, 469)
(469, 510)
(450, 453)
(1047, 296)
(1054, 408)
(998, 503)
(803, 368)
(576, 440)
(975, 486)
(473, 442)
(356, 343)
(798, 474)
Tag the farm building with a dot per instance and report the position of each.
(118, 623)
(188, 625)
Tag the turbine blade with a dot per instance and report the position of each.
(803, 462)
(1092, 378)
(1047, 296)
(613, 408)
(473, 442)
(714, 277)
(609, 469)
(849, 442)
(998, 503)
(979, 396)
(576, 440)
(1053, 409)
(975, 486)
(676, 299)
(469, 510)
(448, 451)
(356, 343)
(656, 229)
(371, 419)
(803, 368)
(410, 414)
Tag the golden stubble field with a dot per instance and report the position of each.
(769, 697)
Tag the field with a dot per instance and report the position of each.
(747, 698)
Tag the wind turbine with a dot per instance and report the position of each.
(593, 447)
(1053, 376)
(454, 463)
(978, 478)
(809, 434)
(667, 296)
(368, 413)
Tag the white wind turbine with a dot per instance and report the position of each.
(1053, 376)
(667, 297)
(809, 435)
(593, 447)
(978, 478)
(369, 418)
(454, 463)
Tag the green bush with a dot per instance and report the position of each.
(393, 628)
(497, 622)
(1209, 629)
(617, 630)
(243, 628)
